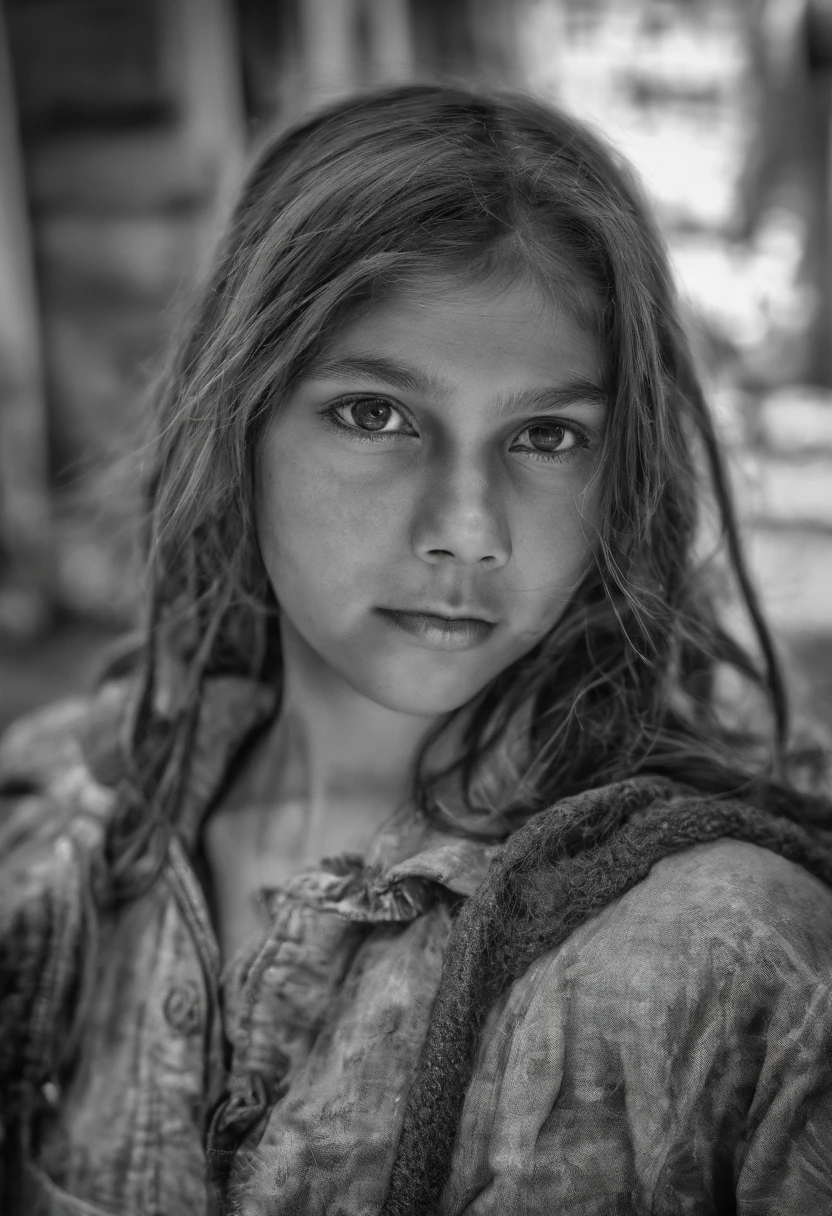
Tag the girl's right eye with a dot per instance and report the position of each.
(367, 418)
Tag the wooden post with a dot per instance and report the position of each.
(329, 48)
(206, 70)
(391, 49)
(24, 500)
(790, 162)
(818, 121)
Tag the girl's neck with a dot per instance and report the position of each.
(332, 748)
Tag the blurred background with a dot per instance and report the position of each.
(124, 125)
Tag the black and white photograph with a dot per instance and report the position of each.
(416, 607)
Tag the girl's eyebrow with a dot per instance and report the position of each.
(575, 392)
(409, 379)
(361, 367)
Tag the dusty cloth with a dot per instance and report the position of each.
(670, 1054)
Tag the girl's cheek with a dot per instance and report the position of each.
(316, 528)
(551, 531)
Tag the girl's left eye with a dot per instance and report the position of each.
(552, 440)
(367, 417)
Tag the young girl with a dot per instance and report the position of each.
(419, 860)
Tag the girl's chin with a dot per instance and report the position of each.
(418, 693)
(424, 708)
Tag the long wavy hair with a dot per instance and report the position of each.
(423, 180)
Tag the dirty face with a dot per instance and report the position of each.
(425, 495)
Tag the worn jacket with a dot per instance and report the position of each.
(672, 1055)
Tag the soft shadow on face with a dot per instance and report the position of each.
(438, 458)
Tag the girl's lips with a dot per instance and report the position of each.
(438, 632)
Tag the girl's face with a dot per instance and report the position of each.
(435, 462)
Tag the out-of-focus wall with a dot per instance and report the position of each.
(129, 116)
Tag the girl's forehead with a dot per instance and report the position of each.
(508, 327)
(501, 291)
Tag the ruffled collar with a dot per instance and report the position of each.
(360, 891)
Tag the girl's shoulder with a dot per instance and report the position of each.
(41, 743)
(718, 918)
(61, 766)
(49, 778)
(685, 886)
(732, 895)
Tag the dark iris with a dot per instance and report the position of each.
(370, 415)
(547, 436)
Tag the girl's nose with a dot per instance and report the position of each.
(460, 517)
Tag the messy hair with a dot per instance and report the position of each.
(365, 195)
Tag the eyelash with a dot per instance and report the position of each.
(331, 416)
